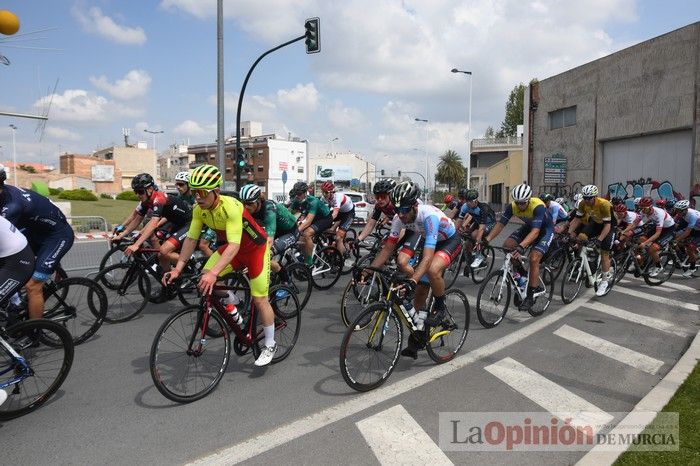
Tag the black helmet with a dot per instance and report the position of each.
(142, 181)
(462, 193)
(405, 194)
(298, 188)
(3, 174)
(384, 186)
(616, 200)
(471, 195)
(546, 197)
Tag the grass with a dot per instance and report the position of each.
(686, 402)
(111, 209)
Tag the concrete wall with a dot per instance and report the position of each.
(649, 88)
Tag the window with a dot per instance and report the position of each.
(260, 168)
(300, 169)
(562, 118)
(497, 193)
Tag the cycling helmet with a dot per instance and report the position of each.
(521, 192)
(546, 197)
(448, 198)
(405, 194)
(590, 190)
(661, 203)
(299, 188)
(578, 197)
(670, 203)
(560, 200)
(462, 193)
(249, 193)
(621, 208)
(616, 200)
(3, 174)
(183, 176)
(646, 202)
(683, 204)
(142, 181)
(384, 186)
(472, 195)
(328, 186)
(205, 177)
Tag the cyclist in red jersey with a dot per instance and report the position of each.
(145, 188)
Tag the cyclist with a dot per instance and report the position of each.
(317, 217)
(149, 196)
(537, 231)
(559, 216)
(47, 230)
(16, 261)
(342, 212)
(382, 206)
(663, 234)
(455, 206)
(182, 183)
(279, 223)
(480, 218)
(691, 232)
(244, 245)
(596, 214)
(625, 222)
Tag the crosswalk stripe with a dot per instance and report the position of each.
(396, 438)
(610, 349)
(675, 286)
(657, 299)
(659, 287)
(549, 395)
(652, 322)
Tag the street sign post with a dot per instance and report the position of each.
(284, 182)
(555, 169)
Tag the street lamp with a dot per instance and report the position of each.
(14, 153)
(469, 131)
(154, 138)
(427, 174)
(331, 143)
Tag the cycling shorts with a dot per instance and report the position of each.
(284, 241)
(592, 231)
(542, 242)
(345, 219)
(15, 272)
(177, 235)
(49, 250)
(321, 224)
(255, 259)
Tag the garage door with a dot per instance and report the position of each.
(665, 158)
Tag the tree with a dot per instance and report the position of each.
(514, 111)
(489, 133)
(450, 170)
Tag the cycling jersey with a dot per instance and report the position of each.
(482, 214)
(430, 221)
(188, 198)
(30, 211)
(387, 210)
(311, 205)
(16, 260)
(692, 218)
(456, 205)
(599, 212)
(12, 240)
(158, 197)
(339, 201)
(175, 210)
(535, 215)
(275, 218)
(557, 212)
(630, 218)
(659, 217)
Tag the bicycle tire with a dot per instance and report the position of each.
(454, 269)
(496, 295)
(668, 266)
(109, 259)
(385, 322)
(456, 323)
(543, 301)
(297, 277)
(63, 354)
(480, 273)
(287, 324)
(118, 282)
(329, 268)
(189, 325)
(555, 264)
(357, 296)
(81, 323)
(624, 261)
(574, 277)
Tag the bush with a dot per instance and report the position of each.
(105, 196)
(77, 195)
(55, 191)
(127, 196)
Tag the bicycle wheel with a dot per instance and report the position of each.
(368, 353)
(493, 299)
(454, 269)
(667, 265)
(77, 303)
(328, 264)
(287, 323)
(127, 289)
(47, 365)
(357, 296)
(186, 365)
(543, 300)
(297, 277)
(447, 339)
(485, 268)
(115, 255)
(572, 281)
(623, 261)
(555, 264)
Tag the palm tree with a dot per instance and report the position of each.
(450, 170)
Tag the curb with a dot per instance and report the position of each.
(654, 401)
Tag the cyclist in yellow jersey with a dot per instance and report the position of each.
(244, 246)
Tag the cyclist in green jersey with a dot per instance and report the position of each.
(317, 217)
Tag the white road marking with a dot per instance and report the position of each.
(657, 299)
(675, 286)
(396, 438)
(282, 434)
(652, 322)
(612, 350)
(659, 287)
(549, 395)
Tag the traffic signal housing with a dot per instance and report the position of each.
(382, 172)
(313, 35)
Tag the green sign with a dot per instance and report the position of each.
(555, 169)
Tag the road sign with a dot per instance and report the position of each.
(284, 176)
(555, 169)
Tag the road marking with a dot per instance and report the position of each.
(279, 436)
(549, 395)
(657, 324)
(396, 438)
(658, 287)
(675, 286)
(657, 299)
(610, 349)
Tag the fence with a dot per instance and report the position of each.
(87, 224)
(91, 243)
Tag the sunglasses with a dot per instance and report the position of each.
(588, 198)
(250, 202)
(403, 210)
(139, 191)
(202, 193)
(522, 202)
(180, 185)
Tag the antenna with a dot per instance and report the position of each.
(126, 132)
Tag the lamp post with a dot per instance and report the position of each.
(154, 138)
(427, 173)
(14, 154)
(469, 130)
(331, 144)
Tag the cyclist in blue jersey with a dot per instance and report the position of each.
(559, 216)
(47, 230)
(478, 219)
(537, 232)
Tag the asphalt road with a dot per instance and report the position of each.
(302, 412)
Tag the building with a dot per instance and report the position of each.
(486, 153)
(627, 122)
(131, 161)
(88, 172)
(173, 160)
(347, 170)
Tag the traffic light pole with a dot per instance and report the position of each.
(239, 151)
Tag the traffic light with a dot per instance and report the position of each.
(382, 172)
(313, 35)
(240, 159)
(399, 173)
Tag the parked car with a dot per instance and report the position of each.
(363, 208)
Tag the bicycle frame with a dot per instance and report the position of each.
(25, 371)
(585, 267)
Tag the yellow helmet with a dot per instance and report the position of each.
(205, 177)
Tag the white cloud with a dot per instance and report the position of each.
(80, 106)
(95, 22)
(300, 100)
(346, 118)
(190, 128)
(135, 83)
(62, 133)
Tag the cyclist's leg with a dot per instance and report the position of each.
(49, 252)
(445, 252)
(258, 263)
(317, 226)
(411, 241)
(343, 227)
(15, 271)
(513, 241)
(606, 246)
(168, 253)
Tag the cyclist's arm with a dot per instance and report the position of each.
(367, 229)
(604, 232)
(188, 247)
(308, 220)
(131, 226)
(147, 231)
(226, 258)
(390, 244)
(480, 232)
(530, 238)
(574, 225)
(653, 237)
(683, 234)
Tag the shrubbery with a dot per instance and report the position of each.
(55, 191)
(105, 196)
(77, 195)
(127, 196)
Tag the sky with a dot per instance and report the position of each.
(105, 65)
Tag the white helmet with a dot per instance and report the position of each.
(682, 204)
(183, 176)
(590, 190)
(521, 192)
(578, 203)
(250, 193)
(578, 197)
(559, 200)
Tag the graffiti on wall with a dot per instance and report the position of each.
(628, 190)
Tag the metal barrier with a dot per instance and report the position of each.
(87, 224)
(91, 243)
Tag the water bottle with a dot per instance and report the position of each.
(520, 280)
(420, 318)
(233, 312)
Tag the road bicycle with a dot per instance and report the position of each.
(627, 261)
(326, 267)
(35, 358)
(493, 298)
(371, 345)
(585, 269)
(192, 348)
(462, 264)
(298, 277)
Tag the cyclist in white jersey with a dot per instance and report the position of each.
(665, 228)
(690, 230)
(342, 212)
